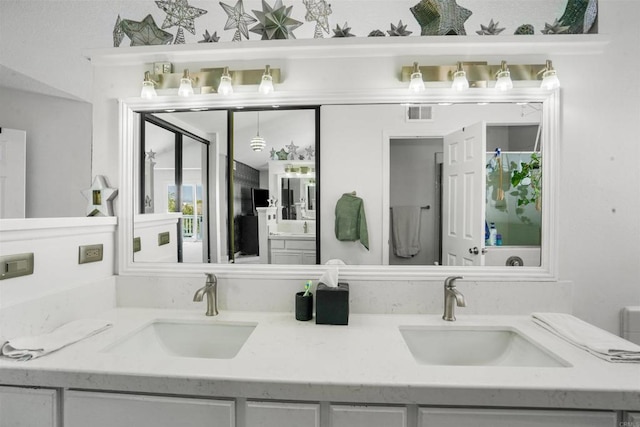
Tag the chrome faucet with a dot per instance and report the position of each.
(451, 295)
(211, 289)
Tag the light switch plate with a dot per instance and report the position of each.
(90, 253)
(163, 238)
(16, 265)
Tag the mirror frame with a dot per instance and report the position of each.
(129, 134)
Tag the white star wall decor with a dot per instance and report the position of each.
(100, 197)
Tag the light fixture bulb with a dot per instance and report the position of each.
(225, 87)
(186, 87)
(503, 78)
(266, 84)
(148, 90)
(460, 81)
(550, 79)
(417, 84)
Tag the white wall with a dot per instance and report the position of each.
(600, 181)
(58, 150)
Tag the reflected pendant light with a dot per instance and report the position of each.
(550, 79)
(257, 142)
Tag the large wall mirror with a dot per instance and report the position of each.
(410, 163)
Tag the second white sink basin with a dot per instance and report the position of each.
(220, 340)
(476, 346)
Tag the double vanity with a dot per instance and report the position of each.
(162, 366)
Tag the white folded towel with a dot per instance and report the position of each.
(30, 347)
(600, 343)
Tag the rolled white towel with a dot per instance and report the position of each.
(30, 347)
(600, 343)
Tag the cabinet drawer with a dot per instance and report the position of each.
(276, 414)
(28, 407)
(84, 409)
(368, 416)
(441, 417)
(300, 244)
(276, 244)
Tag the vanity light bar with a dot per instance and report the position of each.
(207, 80)
(477, 73)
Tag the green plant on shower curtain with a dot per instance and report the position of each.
(527, 181)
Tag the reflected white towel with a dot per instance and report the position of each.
(26, 348)
(588, 337)
(406, 230)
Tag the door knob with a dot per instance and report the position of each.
(476, 251)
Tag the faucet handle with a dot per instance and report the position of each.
(448, 282)
(211, 278)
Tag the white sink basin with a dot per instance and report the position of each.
(219, 340)
(476, 346)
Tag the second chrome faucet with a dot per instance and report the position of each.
(211, 290)
(452, 297)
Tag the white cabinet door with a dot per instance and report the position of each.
(26, 407)
(446, 417)
(82, 409)
(368, 416)
(275, 414)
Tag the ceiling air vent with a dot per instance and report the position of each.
(419, 113)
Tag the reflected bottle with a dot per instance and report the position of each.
(493, 234)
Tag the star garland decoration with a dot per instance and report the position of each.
(275, 22)
(145, 32)
(209, 38)
(345, 31)
(399, 30)
(441, 17)
(490, 30)
(318, 11)
(238, 20)
(181, 15)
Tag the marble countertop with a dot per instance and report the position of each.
(365, 361)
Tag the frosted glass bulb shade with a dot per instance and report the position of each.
(417, 84)
(550, 80)
(225, 87)
(504, 81)
(460, 81)
(266, 85)
(258, 143)
(148, 91)
(185, 89)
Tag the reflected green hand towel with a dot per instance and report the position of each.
(351, 222)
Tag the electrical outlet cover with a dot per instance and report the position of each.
(90, 253)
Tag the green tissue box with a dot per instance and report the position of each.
(332, 304)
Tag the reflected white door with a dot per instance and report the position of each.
(463, 205)
(13, 157)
